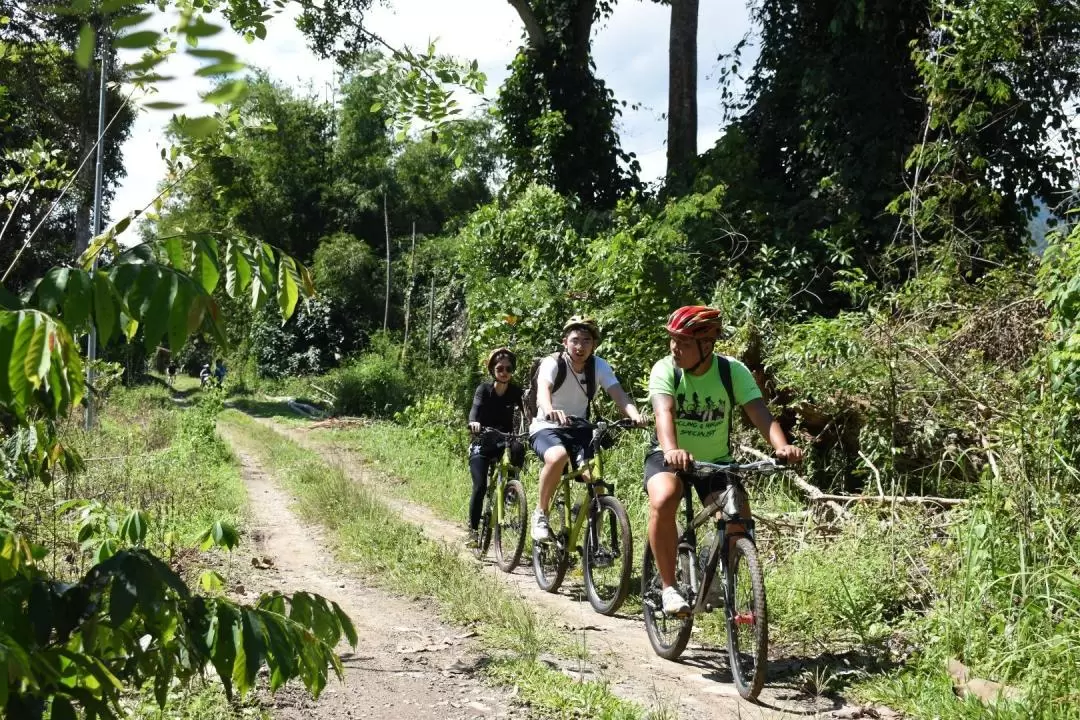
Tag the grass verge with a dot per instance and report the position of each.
(396, 555)
(147, 454)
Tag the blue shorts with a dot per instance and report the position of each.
(575, 440)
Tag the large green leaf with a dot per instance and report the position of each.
(39, 363)
(205, 267)
(106, 307)
(288, 278)
(158, 310)
(237, 268)
(77, 302)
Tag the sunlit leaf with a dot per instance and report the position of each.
(125, 21)
(163, 105)
(198, 127)
(219, 55)
(139, 39)
(201, 28)
(287, 290)
(227, 92)
(220, 68)
(205, 266)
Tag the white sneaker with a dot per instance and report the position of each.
(541, 531)
(674, 603)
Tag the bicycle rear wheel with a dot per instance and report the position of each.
(668, 635)
(510, 533)
(747, 619)
(609, 555)
(551, 559)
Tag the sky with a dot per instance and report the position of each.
(630, 51)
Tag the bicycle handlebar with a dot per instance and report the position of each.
(622, 424)
(496, 431)
(767, 465)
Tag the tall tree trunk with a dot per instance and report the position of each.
(682, 95)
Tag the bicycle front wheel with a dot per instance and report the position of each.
(747, 619)
(668, 634)
(551, 558)
(510, 531)
(609, 555)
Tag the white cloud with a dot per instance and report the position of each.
(630, 51)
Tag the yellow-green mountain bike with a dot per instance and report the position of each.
(506, 510)
(601, 534)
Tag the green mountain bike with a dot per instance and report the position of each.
(506, 509)
(743, 591)
(601, 534)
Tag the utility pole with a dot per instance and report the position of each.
(408, 293)
(99, 173)
(386, 221)
(431, 315)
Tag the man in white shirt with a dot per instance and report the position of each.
(565, 386)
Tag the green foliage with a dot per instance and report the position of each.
(46, 116)
(813, 605)
(372, 384)
(829, 113)
(997, 76)
(558, 118)
(1059, 288)
(89, 620)
(437, 420)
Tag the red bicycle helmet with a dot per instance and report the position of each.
(695, 321)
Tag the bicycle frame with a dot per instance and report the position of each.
(501, 471)
(724, 509)
(591, 474)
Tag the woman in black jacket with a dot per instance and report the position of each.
(493, 406)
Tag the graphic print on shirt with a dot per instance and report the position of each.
(708, 412)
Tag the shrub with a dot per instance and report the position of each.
(374, 384)
(438, 421)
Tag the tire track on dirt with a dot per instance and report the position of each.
(421, 671)
(699, 686)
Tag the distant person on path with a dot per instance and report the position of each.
(170, 374)
(219, 371)
(204, 375)
(685, 432)
(493, 406)
(565, 385)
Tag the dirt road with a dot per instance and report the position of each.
(407, 664)
(697, 687)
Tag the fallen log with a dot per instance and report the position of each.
(816, 494)
(889, 499)
(327, 393)
(812, 491)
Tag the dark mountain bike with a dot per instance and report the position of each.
(734, 554)
(506, 510)
(601, 534)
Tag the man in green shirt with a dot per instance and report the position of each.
(694, 393)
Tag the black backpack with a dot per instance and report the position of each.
(724, 368)
(529, 401)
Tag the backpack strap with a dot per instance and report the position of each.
(590, 378)
(724, 368)
(560, 371)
